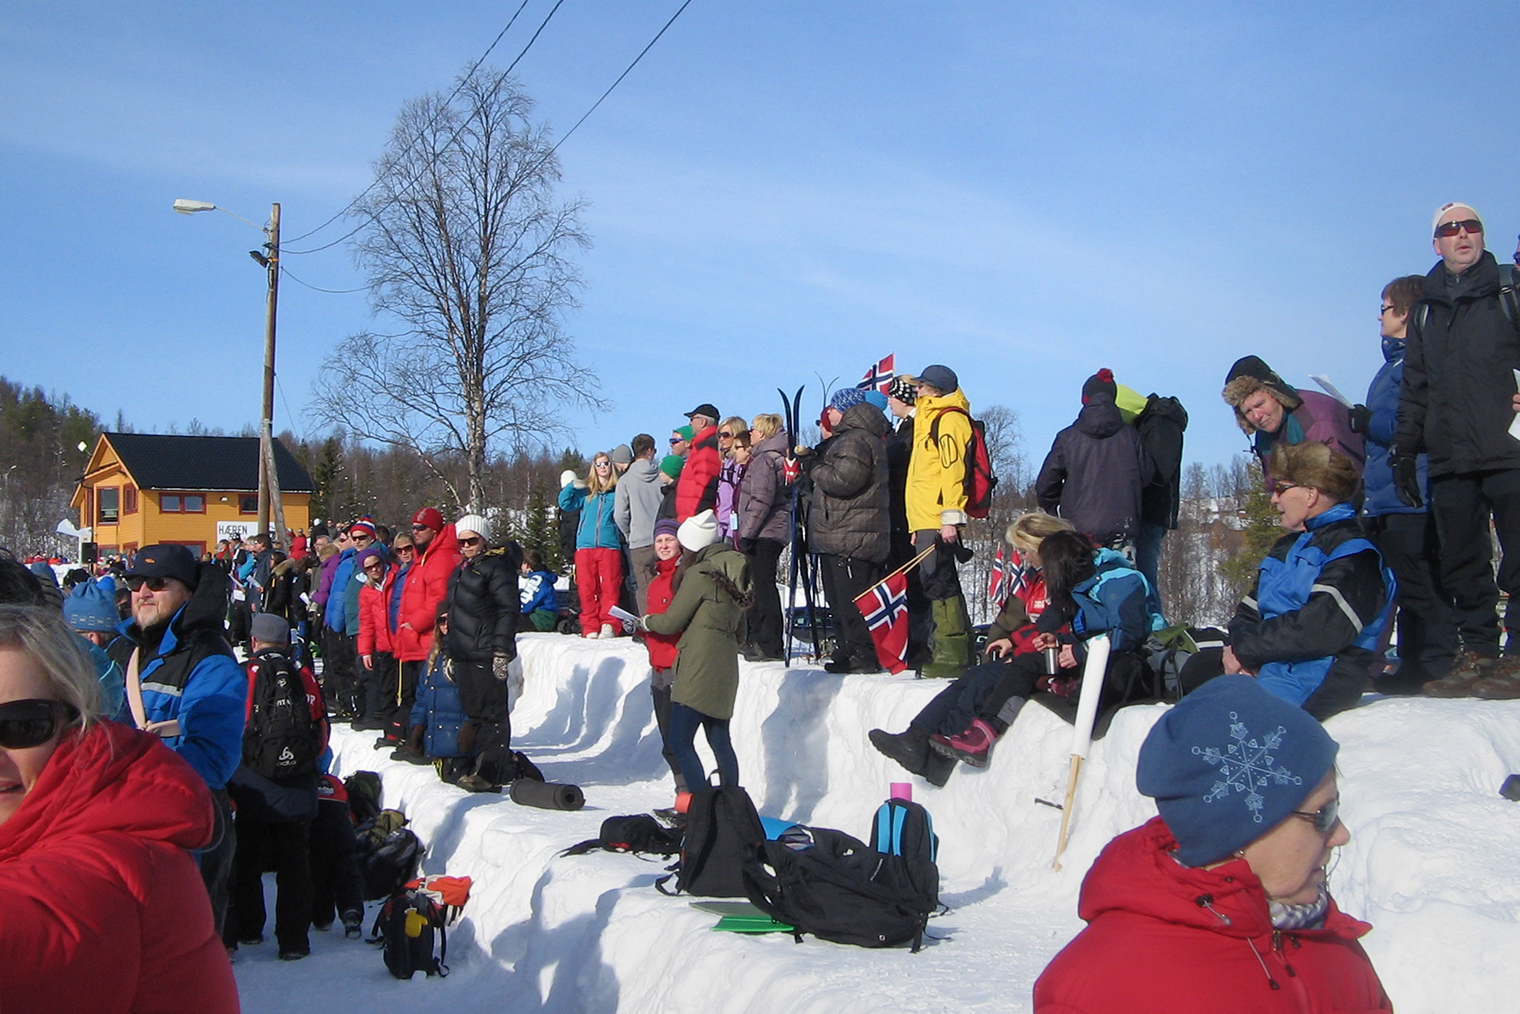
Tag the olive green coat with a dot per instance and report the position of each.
(711, 625)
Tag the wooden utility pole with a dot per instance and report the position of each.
(271, 262)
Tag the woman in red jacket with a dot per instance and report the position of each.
(662, 647)
(1221, 903)
(104, 908)
(376, 645)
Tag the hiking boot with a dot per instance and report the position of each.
(909, 749)
(475, 783)
(1466, 670)
(368, 724)
(410, 754)
(971, 746)
(294, 955)
(938, 769)
(251, 941)
(353, 925)
(1502, 683)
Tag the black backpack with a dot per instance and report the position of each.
(903, 829)
(838, 888)
(281, 739)
(388, 854)
(637, 832)
(721, 824)
(407, 926)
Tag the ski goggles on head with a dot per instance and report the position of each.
(1324, 818)
(32, 722)
(1471, 225)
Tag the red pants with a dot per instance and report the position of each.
(599, 576)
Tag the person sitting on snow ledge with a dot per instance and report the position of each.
(1308, 631)
(1095, 592)
(1222, 901)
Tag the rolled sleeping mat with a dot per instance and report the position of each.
(547, 795)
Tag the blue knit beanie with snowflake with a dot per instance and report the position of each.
(1228, 763)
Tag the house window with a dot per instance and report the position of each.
(129, 499)
(107, 497)
(248, 503)
(182, 503)
(89, 508)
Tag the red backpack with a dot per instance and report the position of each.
(980, 480)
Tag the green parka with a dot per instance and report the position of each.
(708, 613)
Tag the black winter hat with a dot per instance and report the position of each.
(1101, 382)
(166, 561)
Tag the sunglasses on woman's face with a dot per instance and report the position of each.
(31, 723)
(1324, 818)
(472, 541)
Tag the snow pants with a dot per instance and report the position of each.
(599, 578)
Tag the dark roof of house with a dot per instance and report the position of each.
(209, 463)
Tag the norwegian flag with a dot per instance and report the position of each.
(878, 377)
(995, 590)
(885, 607)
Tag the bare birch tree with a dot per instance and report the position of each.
(468, 248)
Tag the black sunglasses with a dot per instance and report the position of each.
(1324, 818)
(136, 581)
(470, 541)
(1449, 229)
(676, 440)
(31, 723)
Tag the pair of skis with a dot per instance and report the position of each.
(796, 528)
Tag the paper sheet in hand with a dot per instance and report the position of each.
(1514, 426)
(623, 614)
(1329, 388)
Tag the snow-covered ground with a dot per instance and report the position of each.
(1433, 864)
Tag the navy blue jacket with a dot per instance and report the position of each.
(439, 708)
(1383, 400)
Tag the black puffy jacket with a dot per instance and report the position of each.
(1458, 380)
(850, 496)
(484, 606)
(1094, 474)
(1161, 425)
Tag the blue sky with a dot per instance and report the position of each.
(1023, 192)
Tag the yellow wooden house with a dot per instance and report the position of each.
(142, 489)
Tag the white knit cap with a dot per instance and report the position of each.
(474, 523)
(698, 531)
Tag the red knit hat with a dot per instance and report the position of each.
(365, 525)
(429, 516)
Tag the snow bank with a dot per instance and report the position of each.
(1432, 862)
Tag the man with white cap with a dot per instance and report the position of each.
(1457, 404)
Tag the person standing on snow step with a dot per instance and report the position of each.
(598, 546)
(435, 555)
(1097, 469)
(636, 504)
(762, 508)
(1457, 403)
(1406, 536)
(847, 525)
(697, 489)
(483, 609)
(936, 504)
(708, 614)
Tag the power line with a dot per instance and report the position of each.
(466, 77)
(620, 77)
(317, 288)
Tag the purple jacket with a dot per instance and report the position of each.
(324, 586)
(1319, 417)
(728, 487)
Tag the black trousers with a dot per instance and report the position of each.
(284, 848)
(661, 697)
(1427, 629)
(379, 686)
(337, 890)
(941, 579)
(401, 695)
(216, 860)
(765, 627)
(844, 578)
(1463, 503)
(340, 678)
(487, 726)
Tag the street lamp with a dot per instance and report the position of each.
(269, 260)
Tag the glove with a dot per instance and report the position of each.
(1406, 479)
(499, 664)
(746, 546)
(1361, 418)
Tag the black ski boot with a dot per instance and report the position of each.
(909, 748)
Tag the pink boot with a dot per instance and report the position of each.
(971, 746)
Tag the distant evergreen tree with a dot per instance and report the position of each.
(541, 532)
(1262, 528)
